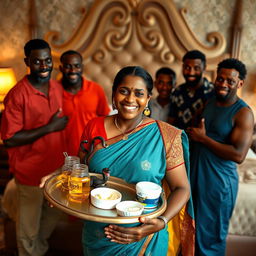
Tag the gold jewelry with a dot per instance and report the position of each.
(146, 111)
(125, 135)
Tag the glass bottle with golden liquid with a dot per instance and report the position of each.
(67, 169)
(79, 182)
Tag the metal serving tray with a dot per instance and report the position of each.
(85, 210)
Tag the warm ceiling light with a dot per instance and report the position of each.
(7, 81)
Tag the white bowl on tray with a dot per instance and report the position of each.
(105, 198)
(129, 208)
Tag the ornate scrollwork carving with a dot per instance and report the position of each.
(174, 30)
(152, 40)
(116, 37)
(148, 30)
(158, 24)
(217, 40)
(167, 56)
(100, 56)
(147, 17)
(162, 31)
(134, 3)
(121, 15)
(53, 37)
(114, 40)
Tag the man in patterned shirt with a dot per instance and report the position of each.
(189, 98)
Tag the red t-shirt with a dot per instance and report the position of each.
(88, 103)
(27, 108)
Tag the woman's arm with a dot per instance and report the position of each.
(180, 191)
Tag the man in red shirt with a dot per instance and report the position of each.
(32, 130)
(83, 100)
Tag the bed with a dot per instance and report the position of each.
(149, 33)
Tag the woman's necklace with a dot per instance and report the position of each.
(125, 135)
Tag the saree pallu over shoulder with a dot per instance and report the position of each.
(173, 145)
(140, 158)
(182, 227)
(145, 156)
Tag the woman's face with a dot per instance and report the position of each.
(131, 97)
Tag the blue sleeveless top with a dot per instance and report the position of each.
(218, 125)
(214, 180)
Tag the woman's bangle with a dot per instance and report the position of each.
(164, 220)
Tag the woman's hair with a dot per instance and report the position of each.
(133, 71)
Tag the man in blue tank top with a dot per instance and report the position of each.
(221, 140)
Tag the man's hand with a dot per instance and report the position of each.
(58, 123)
(25, 137)
(197, 133)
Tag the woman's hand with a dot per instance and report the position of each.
(45, 178)
(124, 235)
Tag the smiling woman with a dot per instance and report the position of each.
(131, 97)
(138, 149)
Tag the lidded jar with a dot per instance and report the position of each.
(79, 182)
(67, 169)
(148, 193)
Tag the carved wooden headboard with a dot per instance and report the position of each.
(149, 33)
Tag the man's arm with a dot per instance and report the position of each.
(240, 137)
(24, 137)
(253, 145)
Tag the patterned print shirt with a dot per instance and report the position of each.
(187, 105)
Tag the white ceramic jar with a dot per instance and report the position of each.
(148, 193)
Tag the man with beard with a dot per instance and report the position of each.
(164, 83)
(188, 99)
(32, 130)
(83, 100)
(221, 141)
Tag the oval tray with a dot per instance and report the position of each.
(85, 210)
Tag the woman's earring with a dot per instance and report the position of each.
(146, 111)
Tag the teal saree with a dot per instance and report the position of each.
(143, 157)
